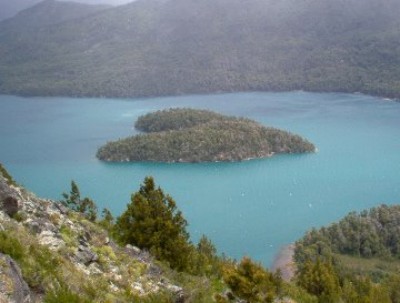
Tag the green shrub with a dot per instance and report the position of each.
(7, 176)
(11, 246)
(63, 295)
(250, 281)
(40, 266)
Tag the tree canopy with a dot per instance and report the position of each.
(152, 221)
(189, 135)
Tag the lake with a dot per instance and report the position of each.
(247, 208)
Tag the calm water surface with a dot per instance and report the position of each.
(247, 208)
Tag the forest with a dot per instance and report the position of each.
(188, 135)
(174, 47)
(353, 260)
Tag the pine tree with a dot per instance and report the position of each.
(107, 220)
(85, 206)
(153, 222)
(320, 279)
(72, 200)
(205, 260)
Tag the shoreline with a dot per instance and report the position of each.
(385, 97)
(284, 262)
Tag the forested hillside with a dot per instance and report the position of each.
(189, 135)
(354, 260)
(48, 13)
(169, 47)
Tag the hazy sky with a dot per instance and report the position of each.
(114, 2)
(8, 8)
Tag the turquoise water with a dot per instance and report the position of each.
(248, 208)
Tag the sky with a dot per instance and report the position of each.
(8, 8)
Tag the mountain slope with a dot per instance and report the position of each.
(49, 12)
(157, 47)
(51, 254)
(10, 8)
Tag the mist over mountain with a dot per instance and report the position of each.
(49, 12)
(169, 47)
(9, 8)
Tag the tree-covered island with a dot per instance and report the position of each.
(189, 135)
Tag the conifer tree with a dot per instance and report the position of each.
(320, 279)
(85, 206)
(153, 222)
(107, 220)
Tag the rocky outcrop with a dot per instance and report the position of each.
(9, 198)
(84, 257)
(13, 288)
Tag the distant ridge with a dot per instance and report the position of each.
(50, 12)
(172, 47)
(9, 8)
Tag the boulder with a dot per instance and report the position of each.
(85, 255)
(50, 239)
(133, 249)
(9, 199)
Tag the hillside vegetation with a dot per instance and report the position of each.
(354, 260)
(187, 135)
(59, 252)
(49, 12)
(54, 252)
(172, 47)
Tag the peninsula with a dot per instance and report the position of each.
(189, 135)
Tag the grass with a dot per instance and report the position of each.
(7, 176)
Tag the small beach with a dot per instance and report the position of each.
(284, 262)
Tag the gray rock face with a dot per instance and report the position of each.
(83, 245)
(13, 288)
(85, 255)
(9, 199)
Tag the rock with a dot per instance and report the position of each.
(85, 238)
(85, 255)
(50, 239)
(82, 268)
(174, 288)
(113, 287)
(94, 269)
(48, 223)
(180, 298)
(39, 225)
(34, 226)
(12, 285)
(10, 206)
(134, 249)
(9, 199)
(138, 287)
(61, 208)
(154, 270)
